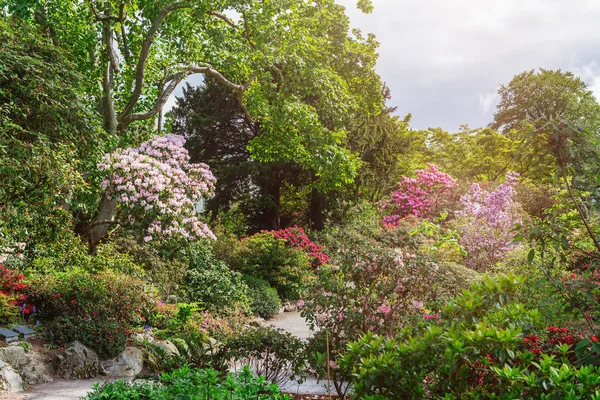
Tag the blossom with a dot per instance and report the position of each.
(419, 196)
(488, 219)
(385, 309)
(300, 303)
(156, 182)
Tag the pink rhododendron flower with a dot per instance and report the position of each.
(385, 309)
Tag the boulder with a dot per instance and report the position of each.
(290, 306)
(13, 355)
(10, 381)
(77, 362)
(169, 348)
(31, 366)
(127, 364)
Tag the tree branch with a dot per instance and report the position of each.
(171, 82)
(223, 18)
(141, 65)
(126, 52)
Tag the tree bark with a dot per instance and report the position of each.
(317, 204)
(97, 232)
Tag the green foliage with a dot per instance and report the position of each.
(108, 296)
(8, 311)
(212, 284)
(107, 337)
(286, 269)
(481, 328)
(270, 352)
(264, 300)
(187, 383)
(49, 142)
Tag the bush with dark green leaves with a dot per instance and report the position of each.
(272, 353)
(264, 300)
(107, 337)
(483, 345)
(188, 383)
(212, 285)
(286, 268)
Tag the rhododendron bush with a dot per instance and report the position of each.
(158, 188)
(421, 196)
(488, 219)
(366, 288)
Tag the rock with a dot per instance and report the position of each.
(31, 366)
(289, 307)
(257, 322)
(281, 310)
(169, 348)
(127, 364)
(77, 362)
(13, 355)
(10, 381)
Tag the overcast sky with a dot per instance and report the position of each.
(444, 59)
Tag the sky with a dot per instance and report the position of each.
(445, 59)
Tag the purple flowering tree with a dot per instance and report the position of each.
(157, 188)
(421, 196)
(487, 221)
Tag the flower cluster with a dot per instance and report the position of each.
(488, 219)
(157, 185)
(296, 237)
(12, 285)
(420, 196)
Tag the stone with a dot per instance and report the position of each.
(77, 362)
(25, 331)
(257, 322)
(8, 336)
(13, 355)
(169, 348)
(127, 364)
(289, 307)
(10, 381)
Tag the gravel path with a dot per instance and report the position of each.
(293, 323)
(59, 389)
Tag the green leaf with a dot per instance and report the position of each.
(531, 256)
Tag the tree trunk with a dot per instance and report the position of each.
(100, 225)
(317, 204)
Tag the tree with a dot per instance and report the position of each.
(537, 96)
(380, 141)
(141, 50)
(49, 139)
(533, 94)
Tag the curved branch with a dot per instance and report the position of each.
(141, 65)
(171, 82)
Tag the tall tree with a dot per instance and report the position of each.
(134, 53)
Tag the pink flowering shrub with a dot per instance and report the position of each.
(296, 237)
(487, 220)
(421, 196)
(365, 288)
(158, 188)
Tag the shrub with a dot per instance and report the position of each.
(264, 300)
(107, 337)
(270, 352)
(367, 288)
(487, 221)
(212, 284)
(297, 238)
(107, 295)
(422, 196)
(8, 310)
(481, 346)
(286, 268)
(187, 383)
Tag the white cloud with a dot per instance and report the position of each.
(487, 101)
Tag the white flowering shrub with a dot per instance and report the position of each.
(157, 187)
